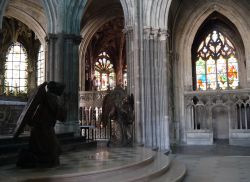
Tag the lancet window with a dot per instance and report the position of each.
(16, 70)
(216, 63)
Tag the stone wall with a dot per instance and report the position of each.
(9, 114)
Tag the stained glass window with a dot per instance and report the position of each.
(40, 66)
(216, 64)
(104, 72)
(16, 69)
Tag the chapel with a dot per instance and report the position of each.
(186, 63)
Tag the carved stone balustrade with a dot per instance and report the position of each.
(91, 98)
(220, 114)
(90, 103)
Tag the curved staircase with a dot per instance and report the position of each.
(149, 166)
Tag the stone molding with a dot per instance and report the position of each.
(154, 33)
(75, 38)
(128, 29)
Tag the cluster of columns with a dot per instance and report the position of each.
(63, 66)
(147, 80)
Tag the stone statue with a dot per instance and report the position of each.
(44, 149)
(119, 107)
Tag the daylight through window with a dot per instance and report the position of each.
(16, 69)
(216, 64)
(104, 72)
(40, 66)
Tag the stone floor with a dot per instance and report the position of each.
(216, 163)
(82, 161)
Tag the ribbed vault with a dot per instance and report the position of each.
(30, 13)
(156, 13)
(64, 16)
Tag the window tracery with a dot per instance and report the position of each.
(216, 64)
(104, 72)
(16, 70)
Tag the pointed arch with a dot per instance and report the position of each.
(128, 10)
(16, 69)
(187, 22)
(51, 14)
(95, 22)
(156, 13)
(3, 5)
(31, 14)
(191, 28)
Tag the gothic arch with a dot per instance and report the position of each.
(156, 13)
(184, 32)
(191, 28)
(128, 10)
(60, 20)
(3, 5)
(95, 22)
(229, 31)
(34, 18)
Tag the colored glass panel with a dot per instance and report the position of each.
(233, 73)
(213, 67)
(201, 74)
(222, 73)
(104, 72)
(211, 74)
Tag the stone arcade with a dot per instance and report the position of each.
(187, 63)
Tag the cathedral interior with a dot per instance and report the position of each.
(186, 63)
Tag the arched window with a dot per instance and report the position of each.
(104, 72)
(16, 69)
(40, 66)
(216, 65)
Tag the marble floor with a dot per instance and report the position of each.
(216, 163)
(82, 161)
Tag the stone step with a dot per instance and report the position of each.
(145, 170)
(143, 165)
(9, 147)
(117, 173)
(176, 173)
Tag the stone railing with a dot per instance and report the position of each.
(91, 98)
(9, 113)
(90, 103)
(220, 114)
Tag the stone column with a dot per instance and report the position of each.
(133, 76)
(50, 62)
(63, 66)
(155, 107)
(128, 31)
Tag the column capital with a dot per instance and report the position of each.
(163, 34)
(75, 38)
(146, 31)
(150, 32)
(128, 29)
(51, 36)
(154, 33)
